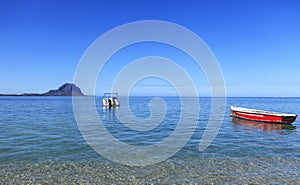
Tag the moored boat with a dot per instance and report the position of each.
(263, 116)
(110, 100)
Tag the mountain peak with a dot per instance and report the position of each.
(67, 89)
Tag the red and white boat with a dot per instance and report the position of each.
(260, 115)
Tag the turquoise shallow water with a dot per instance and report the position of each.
(40, 142)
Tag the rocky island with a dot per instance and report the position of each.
(67, 89)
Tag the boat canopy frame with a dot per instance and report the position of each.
(111, 95)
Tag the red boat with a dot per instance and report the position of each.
(260, 115)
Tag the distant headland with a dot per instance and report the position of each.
(67, 89)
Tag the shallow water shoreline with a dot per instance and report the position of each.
(270, 170)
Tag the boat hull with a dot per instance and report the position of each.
(110, 102)
(262, 116)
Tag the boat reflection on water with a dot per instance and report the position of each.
(262, 125)
(109, 109)
(108, 114)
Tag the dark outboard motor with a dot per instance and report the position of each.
(109, 102)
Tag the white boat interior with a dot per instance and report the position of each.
(254, 111)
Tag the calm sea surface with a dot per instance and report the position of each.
(40, 143)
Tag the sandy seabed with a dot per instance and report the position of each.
(180, 171)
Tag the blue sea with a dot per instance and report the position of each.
(40, 142)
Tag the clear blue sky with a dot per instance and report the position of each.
(257, 43)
